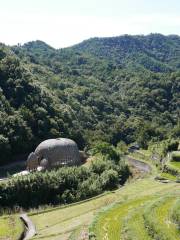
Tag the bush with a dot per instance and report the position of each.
(107, 150)
(109, 179)
(64, 185)
(98, 166)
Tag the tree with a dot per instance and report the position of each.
(5, 149)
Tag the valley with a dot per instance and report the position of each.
(117, 98)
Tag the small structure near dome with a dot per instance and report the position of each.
(54, 152)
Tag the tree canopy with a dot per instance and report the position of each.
(104, 89)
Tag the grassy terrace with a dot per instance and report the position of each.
(125, 220)
(72, 221)
(175, 165)
(172, 171)
(175, 213)
(11, 227)
(133, 225)
(168, 176)
(63, 221)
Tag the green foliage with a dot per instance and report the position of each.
(64, 185)
(103, 89)
(122, 147)
(4, 148)
(107, 150)
(147, 131)
(109, 179)
(175, 213)
(160, 149)
(30, 112)
(11, 227)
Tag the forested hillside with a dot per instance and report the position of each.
(114, 89)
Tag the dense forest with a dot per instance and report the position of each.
(116, 89)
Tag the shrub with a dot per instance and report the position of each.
(109, 179)
(64, 185)
(98, 166)
(107, 150)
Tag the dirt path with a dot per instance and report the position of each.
(141, 166)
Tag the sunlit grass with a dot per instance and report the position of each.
(125, 219)
(168, 176)
(11, 227)
(175, 164)
(157, 219)
(134, 226)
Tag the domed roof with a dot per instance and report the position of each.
(59, 150)
(54, 142)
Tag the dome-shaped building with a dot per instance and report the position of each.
(54, 152)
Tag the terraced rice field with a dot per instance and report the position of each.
(168, 176)
(72, 222)
(141, 218)
(172, 171)
(11, 227)
(176, 165)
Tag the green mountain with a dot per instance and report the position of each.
(123, 88)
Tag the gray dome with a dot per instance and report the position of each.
(54, 142)
(59, 151)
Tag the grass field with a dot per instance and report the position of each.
(175, 165)
(168, 176)
(72, 222)
(63, 221)
(121, 214)
(157, 218)
(11, 227)
(125, 220)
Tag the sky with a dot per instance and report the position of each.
(63, 23)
